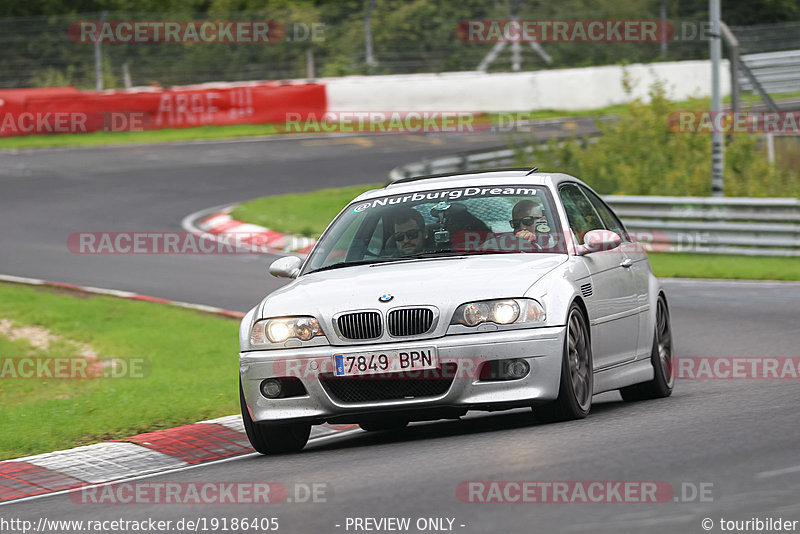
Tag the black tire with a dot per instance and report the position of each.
(575, 390)
(273, 439)
(387, 424)
(661, 357)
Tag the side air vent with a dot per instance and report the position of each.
(586, 290)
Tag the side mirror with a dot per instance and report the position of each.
(599, 240)
(287, 267)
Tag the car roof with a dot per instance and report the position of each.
(496, 177)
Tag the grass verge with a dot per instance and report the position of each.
(148, 136)
(684, 265)
(189, 370)
(306, 214)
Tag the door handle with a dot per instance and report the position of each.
(627, 262)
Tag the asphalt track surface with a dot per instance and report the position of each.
(736, 438)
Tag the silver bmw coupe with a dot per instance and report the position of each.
(437, 295)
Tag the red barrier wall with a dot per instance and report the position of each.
(67, 110)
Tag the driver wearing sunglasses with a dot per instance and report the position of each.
(527, 220)
(409, 231)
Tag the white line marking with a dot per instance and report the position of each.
(732, 282)
(779, 472)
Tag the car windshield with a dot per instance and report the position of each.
(439, 223)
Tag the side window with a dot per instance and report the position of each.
(609, 219)
(582, 216)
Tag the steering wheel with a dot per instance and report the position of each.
(536, 246)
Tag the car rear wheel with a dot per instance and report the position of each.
(575, 390)
(661, 357)
(388, 424)
(273, 439)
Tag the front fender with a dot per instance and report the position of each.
(244, 330)
(558, 289)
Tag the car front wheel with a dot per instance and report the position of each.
(575, 390)
(273, 439)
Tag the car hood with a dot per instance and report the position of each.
(441, 282)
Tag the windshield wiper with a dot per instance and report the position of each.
(437, 254)
(444, 254)
(352, 263)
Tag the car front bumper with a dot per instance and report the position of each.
(542, 348)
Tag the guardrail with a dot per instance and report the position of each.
(704, 225)
(474, 159)
(777, 72)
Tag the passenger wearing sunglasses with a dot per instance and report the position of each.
(410, 233)
(528, 221)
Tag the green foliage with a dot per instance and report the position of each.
(640, 154)
(52, 77)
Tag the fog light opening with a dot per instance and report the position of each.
(513, 369)
(516, 369)
(271, 388)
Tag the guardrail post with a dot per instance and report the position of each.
(733, 51)
(98, 59)
(717, 140)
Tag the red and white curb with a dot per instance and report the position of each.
(135, 456)
(143, 454)
(257, 238)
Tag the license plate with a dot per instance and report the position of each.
(385, 361)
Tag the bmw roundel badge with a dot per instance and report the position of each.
(385, 298)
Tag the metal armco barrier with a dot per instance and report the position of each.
(778, 72)
(750, 226)
(704, 225)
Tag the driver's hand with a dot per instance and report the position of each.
(526, 235)
(530, 237)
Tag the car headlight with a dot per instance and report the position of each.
(504, 311)
(279, 329)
